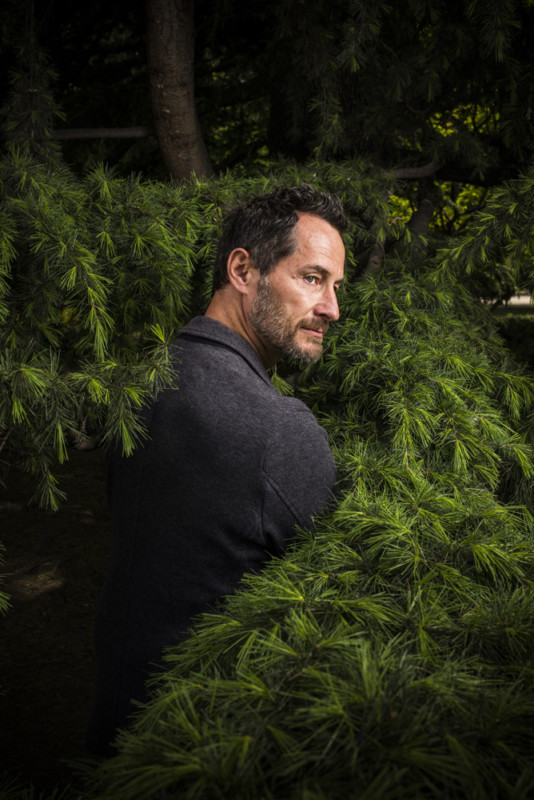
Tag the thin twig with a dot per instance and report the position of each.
(5, 438)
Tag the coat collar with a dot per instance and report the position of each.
(214, 331)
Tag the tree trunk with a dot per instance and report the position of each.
(170, 45)
(420, 222)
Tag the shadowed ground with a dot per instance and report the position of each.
(55, 563)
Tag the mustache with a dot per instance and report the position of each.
(315, 325)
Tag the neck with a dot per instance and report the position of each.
(229, 310)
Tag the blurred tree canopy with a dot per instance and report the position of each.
(444, 85)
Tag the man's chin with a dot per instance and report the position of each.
(305, 355)
(312, 348)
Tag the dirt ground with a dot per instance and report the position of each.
(54, 568)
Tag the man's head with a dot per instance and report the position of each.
(283, 262)
(265, 226)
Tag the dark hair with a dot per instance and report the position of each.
(264, 226)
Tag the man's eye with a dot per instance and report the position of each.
(311, 279)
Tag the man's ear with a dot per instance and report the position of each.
(241, 272)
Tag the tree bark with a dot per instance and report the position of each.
(373, 260)
(420, 222)
(415, 173)
(420, 219)
(170, 45)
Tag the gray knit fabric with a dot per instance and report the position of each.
(229, 470)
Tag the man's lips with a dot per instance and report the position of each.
(313, 332)
(316, 329)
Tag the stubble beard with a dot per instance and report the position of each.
(268, 317)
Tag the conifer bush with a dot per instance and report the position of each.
(96, 274)
(389, 653)
(83, 321)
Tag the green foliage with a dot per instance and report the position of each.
(389, 653)
(398, 83)
(30, 112)
(411, 82)
(85, 323)
(498, 245)
(422, 373)
(12, 788)
(441, 84)
(95, 276)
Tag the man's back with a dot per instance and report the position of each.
(229, 470)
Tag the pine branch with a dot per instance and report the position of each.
(420, 219)
(102, 133)
(416, 173)
(5, 438)
(373, 261)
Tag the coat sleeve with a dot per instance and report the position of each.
(299, 478)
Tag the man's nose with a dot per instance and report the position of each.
(328, 307)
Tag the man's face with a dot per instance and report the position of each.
(295, 303)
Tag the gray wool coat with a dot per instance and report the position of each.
(229, 469)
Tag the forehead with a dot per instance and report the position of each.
(318, 243)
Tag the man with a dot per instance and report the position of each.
(230, 467)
